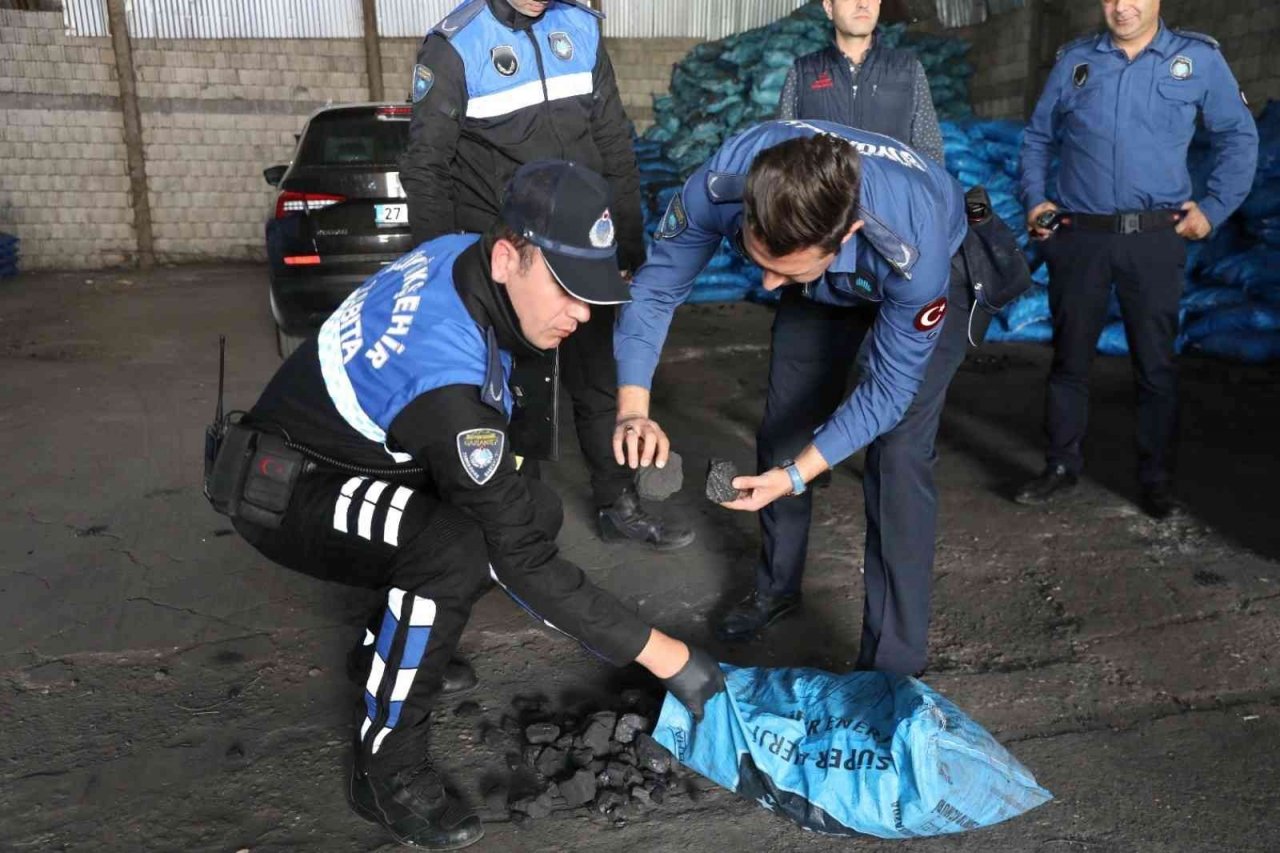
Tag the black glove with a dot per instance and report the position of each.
(696, 682)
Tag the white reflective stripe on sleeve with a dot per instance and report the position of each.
(370, 504)
(391, 527)
(342, 509)
(530, 94)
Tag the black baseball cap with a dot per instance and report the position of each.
(563, 209)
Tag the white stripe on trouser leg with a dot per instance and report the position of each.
(377, 742)
(371, 497)
(376, 671)
(391, 527)
(404, 683)
(342, 508)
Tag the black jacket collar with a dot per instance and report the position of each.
(487, 301)
(509, 17)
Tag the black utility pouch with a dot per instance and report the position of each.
(228, 451)
(269, 481)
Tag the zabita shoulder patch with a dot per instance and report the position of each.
(480, 451)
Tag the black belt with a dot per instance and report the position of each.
(1123, 223)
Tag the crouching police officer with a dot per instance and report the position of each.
(864, 229)
(1120, 109)
(379, 458)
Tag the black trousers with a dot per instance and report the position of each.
(433, 562)
(813, 349)
(1147, 270)
(590, 375)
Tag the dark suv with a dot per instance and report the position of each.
(340, 216)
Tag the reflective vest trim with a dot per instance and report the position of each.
(530, 94)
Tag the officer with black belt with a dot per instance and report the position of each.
(378, 456)
(1120, 108)
(860, 83)
(859, 233)
(499, 83)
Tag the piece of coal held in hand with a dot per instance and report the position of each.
(658, 484)
(720, 474)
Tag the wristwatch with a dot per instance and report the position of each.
(798, 485)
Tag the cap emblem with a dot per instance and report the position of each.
(602, 232)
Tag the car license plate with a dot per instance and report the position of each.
(388, 215)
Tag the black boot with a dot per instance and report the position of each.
(627, 520)
(1053, 481)
(415, 808)
(459, 677)
(1157, 501)
(753, 614)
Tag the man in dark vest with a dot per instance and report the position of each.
(858, 83)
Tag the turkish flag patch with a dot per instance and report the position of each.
(931, 315)
(824, 81)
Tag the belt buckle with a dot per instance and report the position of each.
(1130, 223)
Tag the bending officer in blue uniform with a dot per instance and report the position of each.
(859, 231)
(401, 409)
(1120, 108)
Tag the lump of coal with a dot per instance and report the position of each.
(535, 807)
(542, 733)
(652, 756)
(582, 757)
(467, 709)
(599, 732)
(551, 762)
(720, 474)
(658, 484)
(608, 802)
(627, 727)
(580, 789)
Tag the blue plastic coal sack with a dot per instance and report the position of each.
(859, 754)
(1249, 347)
(1113, 340)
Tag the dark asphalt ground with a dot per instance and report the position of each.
(163, 688)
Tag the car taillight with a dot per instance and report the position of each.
(385, 113)
(295, 202)
(301, 260)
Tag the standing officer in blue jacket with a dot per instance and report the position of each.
(400, 409)
(1120, 109)
(860, 231)
(504, 82)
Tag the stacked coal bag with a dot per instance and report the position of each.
(8, 255)
(1231, 307)
(604, 761)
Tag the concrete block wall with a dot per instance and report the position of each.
(999, 54)
(215, 113)
(64, 188)
(643, 69)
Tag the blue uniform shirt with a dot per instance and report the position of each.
(914, 222)
(1122, 128)
(405, 332)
